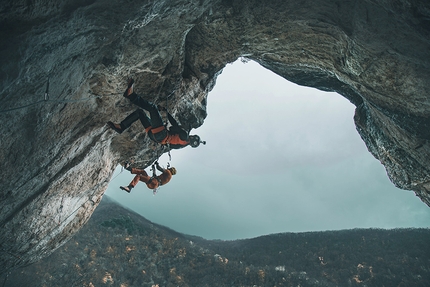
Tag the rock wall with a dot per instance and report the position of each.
(58, 155)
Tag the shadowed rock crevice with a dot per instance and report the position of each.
(57, 156)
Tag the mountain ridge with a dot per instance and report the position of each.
(118, 247)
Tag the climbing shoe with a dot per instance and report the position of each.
(129, 89)
(115, 127)
(126, 188)
(126, 165)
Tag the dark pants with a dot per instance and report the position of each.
(148, 123)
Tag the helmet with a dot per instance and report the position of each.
(194, 140)
(172, 170)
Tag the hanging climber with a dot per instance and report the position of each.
(152, 182)
(175, 137)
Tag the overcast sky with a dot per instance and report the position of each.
(279, 158)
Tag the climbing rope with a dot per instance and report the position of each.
(10, 253)
(47, 91)
(122, 169)
(166, 109)
(5, 278)
(47, 100)
(50, 101)
(72, 213)
(126, 163)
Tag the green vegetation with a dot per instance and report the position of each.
(120, 248)
(122, 222)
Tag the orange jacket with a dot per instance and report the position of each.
(165, 177)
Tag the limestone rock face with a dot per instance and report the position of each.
(57, 155)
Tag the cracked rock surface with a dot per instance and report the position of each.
(57, 154)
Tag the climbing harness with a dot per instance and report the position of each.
(155, 190)
(158, 155)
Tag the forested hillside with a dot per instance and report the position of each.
(120, 248)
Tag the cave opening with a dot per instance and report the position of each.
(279, 158)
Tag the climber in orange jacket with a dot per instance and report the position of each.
(175, 137)
(152, 182)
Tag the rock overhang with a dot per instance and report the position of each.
(374, 53)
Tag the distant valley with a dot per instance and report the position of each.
(118, 247)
